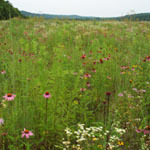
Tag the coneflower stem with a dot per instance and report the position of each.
(104, 114)
(46, 111)
(108, 98)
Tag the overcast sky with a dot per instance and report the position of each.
(98, 8)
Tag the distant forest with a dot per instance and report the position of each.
(134, 17)
(8, 11)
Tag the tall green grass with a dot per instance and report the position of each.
(46, 56)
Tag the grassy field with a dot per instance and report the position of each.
(74, 85)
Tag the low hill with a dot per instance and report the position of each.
(8, 11)
(140, 17)
(50, 16)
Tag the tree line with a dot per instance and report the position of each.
(7, 11)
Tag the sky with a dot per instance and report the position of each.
(97, 8)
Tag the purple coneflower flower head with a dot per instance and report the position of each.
(26, 133)
(138, 130)
(9, 97)
(47, 95)
(146, 131)
(93, 70)
(4, 133)
(88, 84)
(87, 75)
(1, 121)
(3, 72)
(108, 93)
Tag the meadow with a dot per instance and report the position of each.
(74, 85)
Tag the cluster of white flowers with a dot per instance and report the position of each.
(120, 131)
(68, 132)
(83, 136)
(3, 103)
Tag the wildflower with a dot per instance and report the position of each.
(147, 130)
(101, 61)
(121, 143)
(94, 63)
(66, 142)
(134, 89)
(26, 133)
(20, 60)
(99, 146)
(83, 56)
(47, 95)
(1, 121)
(88, 84)
(120, 94)
(94, 139)
(93, 70)
(123, 67)
(138, 130)
(4, 133)
(82, 89)
(3, 72)
(9, 97)
(130, 81)
(108, 93)
(122, 72)
(87, 75)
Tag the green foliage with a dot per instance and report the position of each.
(7, 11)
(98, 74)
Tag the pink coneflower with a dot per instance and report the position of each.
(1, 121)
(94, 63)
(82, 89)
(87, 75)
(93, 70)
(138, 130)
(83, 56)
(101, 61)
(47, 95)
(88, 84)
(3, 72)
(108, 93)
(9, 97)
(26, 133)
(4, 133)
(120, 94)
